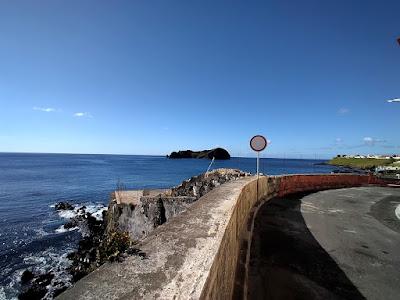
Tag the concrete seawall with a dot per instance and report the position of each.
(203, 252)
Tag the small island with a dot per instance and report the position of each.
(217, 153)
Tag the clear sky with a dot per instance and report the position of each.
(149, 77)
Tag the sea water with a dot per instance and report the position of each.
(31, 231)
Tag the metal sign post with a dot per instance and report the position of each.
(258, 143)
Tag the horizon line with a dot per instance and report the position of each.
(155, 155)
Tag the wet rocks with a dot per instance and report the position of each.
(96, 247)
(71, 224)
(26, 277)
(63, 206)
(34, 286)
(84, 260)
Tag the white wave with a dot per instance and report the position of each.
(99, 213)
(67, 214)
(49, 260)
(92, 208)
(62, 229)
(96, 210)
(41, 232)
(35, 260)
(2, 294)
(53, 261)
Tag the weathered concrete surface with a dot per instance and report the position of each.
(133, 196)
(336, 244)
(179, 255)
(203, 252)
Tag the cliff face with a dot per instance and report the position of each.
(141, 219)
(217, 153)
(151, 211)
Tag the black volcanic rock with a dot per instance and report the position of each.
(218, 153)
(27, 276)
(35, 286)
(63, 206)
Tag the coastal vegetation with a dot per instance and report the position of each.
(360, 163)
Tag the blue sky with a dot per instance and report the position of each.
(149, 77)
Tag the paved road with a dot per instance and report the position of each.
(336, 244)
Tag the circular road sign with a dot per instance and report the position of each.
(258, 143)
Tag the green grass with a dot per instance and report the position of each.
(362, 163)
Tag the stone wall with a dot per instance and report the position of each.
(308, 183)
(230, 265)
(201, 253)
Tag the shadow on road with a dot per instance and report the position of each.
(287, 262)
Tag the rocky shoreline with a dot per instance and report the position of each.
(35, 285)
(350, 170)
(344, 169)
(93, 249)
(106, 238)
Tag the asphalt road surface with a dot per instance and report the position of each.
(336, 244)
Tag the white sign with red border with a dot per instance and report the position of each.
(258, 143)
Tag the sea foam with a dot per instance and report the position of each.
(62, 229)
(96, 210)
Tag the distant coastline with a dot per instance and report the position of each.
(360, 163)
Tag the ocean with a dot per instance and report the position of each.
(31, 232)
